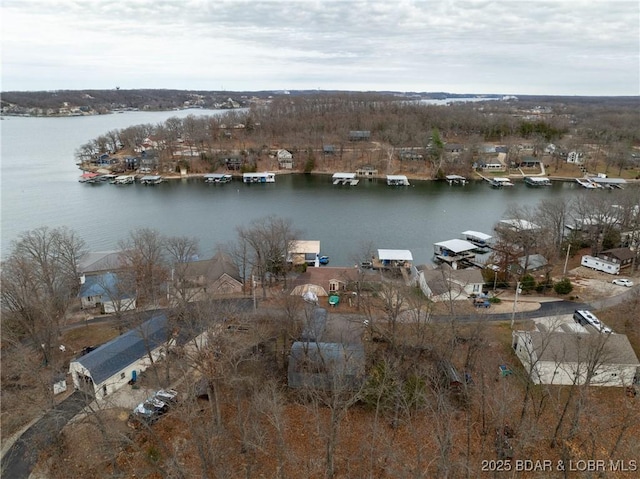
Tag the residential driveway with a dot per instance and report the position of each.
(21, 457)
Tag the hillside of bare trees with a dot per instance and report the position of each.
(402, 135)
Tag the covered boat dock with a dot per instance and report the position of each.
(455, 252)
(397, 180)
(345, 179)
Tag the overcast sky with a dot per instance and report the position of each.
(568, 47)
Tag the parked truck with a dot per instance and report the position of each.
(600, 264)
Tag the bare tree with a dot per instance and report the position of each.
(39, 281)
(267, 241)
(143, 253)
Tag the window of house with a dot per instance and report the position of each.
(333, 286)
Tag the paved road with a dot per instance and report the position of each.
(19, 460)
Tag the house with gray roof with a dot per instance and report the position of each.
(447, 284)
(326, 366)
(107, 368)
(569, 358)
(109, 291)
(206, 279)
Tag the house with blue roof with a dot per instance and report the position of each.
(109, 291)
(109, 367)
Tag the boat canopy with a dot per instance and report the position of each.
(395, 255)
(476, 235)
(456, 245)
(344, 176)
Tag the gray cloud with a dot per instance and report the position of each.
(554, 47)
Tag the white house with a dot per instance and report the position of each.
(576, 358)
(447, 284)
(285, 159)
(112, 365)
(575, 157)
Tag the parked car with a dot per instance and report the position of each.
(167, 396)
(623, 282)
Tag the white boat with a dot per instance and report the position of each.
(217, 178)
(344, 179)
(537, 181)
(500, 182)
(264, 177)
(397, 180)
(123, 180)
(151, 180)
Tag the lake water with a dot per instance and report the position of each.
(40, 187)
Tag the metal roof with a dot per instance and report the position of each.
(108, 286)
(114, 356)
(395, 255)
(456, 245)
(477, 234)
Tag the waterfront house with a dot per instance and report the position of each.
(285, 159)
(575, 157)
(529, 264)
(205, 279)
(100, 262)
(529, 162)
(111, 292)
(332, 279)
(568, 358)
(366, 172)
(622, 256)
(447, 284)
(107, 368)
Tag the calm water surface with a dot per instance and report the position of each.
(40, 187)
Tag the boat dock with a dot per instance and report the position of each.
(397, 180)
(456, 180)
(217, 178)
(345, 179)
(151, 180)
(264, 177)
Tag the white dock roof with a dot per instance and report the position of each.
(608, 181)
(456, 245)
(395, 255)
(519, 224)
(477, 234)
(396, 177)
(347, 176)
(304, 246)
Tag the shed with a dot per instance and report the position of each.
(112, 365)
(359, 135)
(326, 366)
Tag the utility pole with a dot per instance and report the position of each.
(515, 303)
(566, 261)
